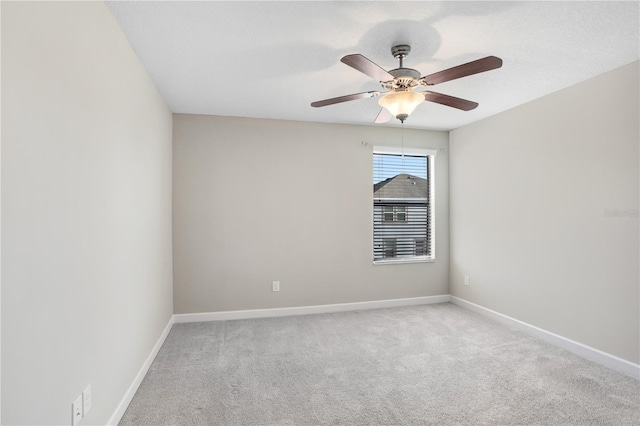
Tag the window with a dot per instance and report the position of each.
(389, 247)
(420, 246)
(402, 205)
(401, 213)
(394, 213)
(387, 213)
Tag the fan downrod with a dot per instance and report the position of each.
(400, 52)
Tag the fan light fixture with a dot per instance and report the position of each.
(401, 103)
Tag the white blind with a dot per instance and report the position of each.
(401, 207)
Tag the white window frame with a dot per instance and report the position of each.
(431, 154)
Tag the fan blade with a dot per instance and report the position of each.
(450, 101)
(470, 68)
(367, 67)
(345, 98)
(383, 116)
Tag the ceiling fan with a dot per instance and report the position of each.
(400, 100)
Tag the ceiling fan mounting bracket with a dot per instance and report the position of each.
(400, 51)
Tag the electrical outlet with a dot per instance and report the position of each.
(275, 286)
(76, 411)
(466, 280)
(86, 400)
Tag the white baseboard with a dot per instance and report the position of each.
(584, 351)
(128, 396)
(307, 310)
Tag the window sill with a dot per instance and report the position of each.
(402, 261)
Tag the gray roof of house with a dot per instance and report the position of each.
(401, 186)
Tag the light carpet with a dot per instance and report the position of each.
(421, 365)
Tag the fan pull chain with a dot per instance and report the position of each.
(402, 142)
(402, 151)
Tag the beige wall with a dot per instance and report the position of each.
(529, 192)
(262, 200)
(86, 220)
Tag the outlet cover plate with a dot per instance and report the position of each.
(86, 400)
(76, 411)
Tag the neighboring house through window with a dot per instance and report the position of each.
(402, 205)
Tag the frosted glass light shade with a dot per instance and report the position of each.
(401, 104)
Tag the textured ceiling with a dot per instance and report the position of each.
(272, 59)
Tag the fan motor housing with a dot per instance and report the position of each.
(404, 78)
